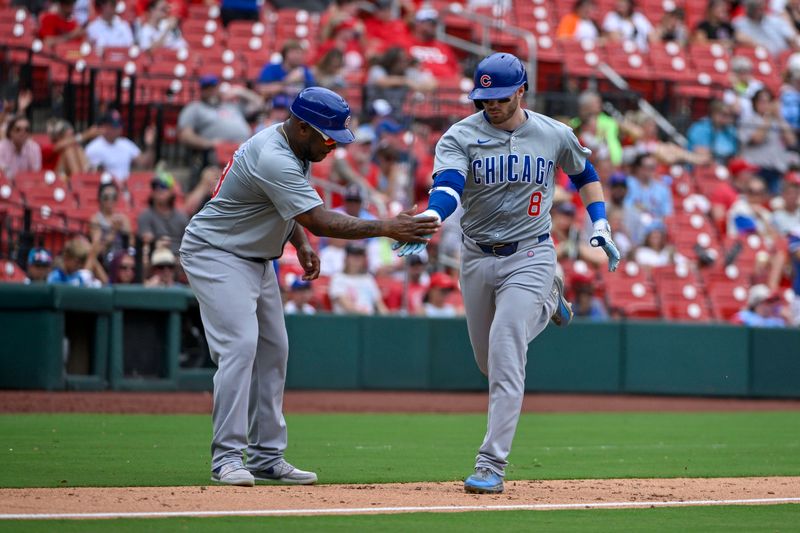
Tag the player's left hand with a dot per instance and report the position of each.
(404, 249)
(602, 238)
(309, 260)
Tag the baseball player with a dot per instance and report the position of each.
(260, 202)
(499, 163)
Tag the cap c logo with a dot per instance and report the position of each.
(486, 80)
(347, 122)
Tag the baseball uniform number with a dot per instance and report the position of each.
(535, 205)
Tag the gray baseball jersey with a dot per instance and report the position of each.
(250, 217)
(509, 299)
(260, 192)
(509, 175)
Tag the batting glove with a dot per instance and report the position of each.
(602, 238)
(404, 249)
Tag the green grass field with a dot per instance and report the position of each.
(127, 450)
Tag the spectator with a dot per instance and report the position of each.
(299, 299)
(288, 76)
(58, 26)
(329, 70)
(435, 303)
(383, 28)
(759, 28)
(764, 309)
(161, 28)
(347, 38)
(331, 256)
(13, 106)
(787, 215)
(117, 154)
(39, 264)
(379, 254)
(431, 55)
(393, 177)
(203, 191)
(209, 121)
(716, 134)
(18, 152)
(748, 214)
(392, 75)
(567, 238)
(672, 27)
(418, 282)
(70, 155)
(239, 10)
(794, 250)
(162, 269)
(726, 192)
(108, 30)
(354, 164)
(162, 221)
(594, 127)
(744, 85)
(579, 24)
(78, 265)
(585, 304)
(766, 138)
(110, 228)
(82, 12)
(355, 291)
(122, 268)
(717, 24)
(790, 13)
(647, 194)
(625, 23)
(790, 93)
(643, 134)
(656, 251)
(278, 112)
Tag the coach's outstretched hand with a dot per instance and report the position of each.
(408, 228)
(413, 248)
(602, 238)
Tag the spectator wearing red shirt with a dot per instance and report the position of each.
(58, 26)
(434, 56)
(727, 192)
(384, 27)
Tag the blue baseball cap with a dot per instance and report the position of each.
(300, 284)
(40, 257)
(209, 80)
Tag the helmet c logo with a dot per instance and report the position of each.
(347, 122)
(486, 80)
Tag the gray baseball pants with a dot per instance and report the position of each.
(508, 302)
(240, 304)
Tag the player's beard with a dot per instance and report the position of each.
(500, 115)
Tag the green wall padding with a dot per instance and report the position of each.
(323, 352)
(775, 367)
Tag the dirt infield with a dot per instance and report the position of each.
(382, 498)
(391, 498)
(371, 402)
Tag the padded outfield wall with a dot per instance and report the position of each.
(129, 338)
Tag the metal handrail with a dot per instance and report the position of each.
(485, 48)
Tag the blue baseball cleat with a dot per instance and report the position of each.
(563, 315)
(484, 481)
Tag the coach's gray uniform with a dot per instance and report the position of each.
(226, 254)
(508, 300)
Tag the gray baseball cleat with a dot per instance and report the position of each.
(484, 481)
(563, 314)
(233, 474)
(284, 473)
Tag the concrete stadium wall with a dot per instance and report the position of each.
(129, 338)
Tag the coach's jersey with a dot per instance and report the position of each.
(509, 175)
(261, 190)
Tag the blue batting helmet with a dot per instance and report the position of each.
(498, 76)
(326, 111)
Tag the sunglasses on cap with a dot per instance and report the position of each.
(328, 140)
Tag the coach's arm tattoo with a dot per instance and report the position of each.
(405, 227)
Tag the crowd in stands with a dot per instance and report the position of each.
(697, 223)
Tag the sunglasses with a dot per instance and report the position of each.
(498, 100)
(108, 197)
(163, 267)
(127, 267)
(328, 140)
(21, 128)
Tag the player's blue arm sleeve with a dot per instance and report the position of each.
(446, 192)
(588, 175)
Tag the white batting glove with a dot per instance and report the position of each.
(404, 249)
(602, 238)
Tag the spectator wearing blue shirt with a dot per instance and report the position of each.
(794, 254)
(647, 195)
(716, 134)
(289, 76)
(76, 265)
(765, 309)
(790, 94)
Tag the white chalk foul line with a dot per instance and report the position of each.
(381, 510)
